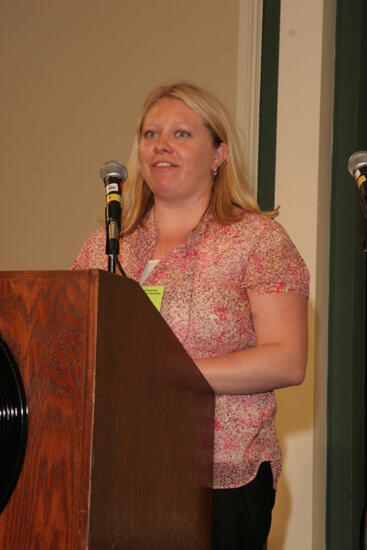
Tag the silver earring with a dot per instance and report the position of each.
(215, 173)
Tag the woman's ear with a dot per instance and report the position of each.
(220, 156)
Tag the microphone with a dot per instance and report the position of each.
(357, 167)
(113, 174)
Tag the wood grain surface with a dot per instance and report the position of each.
(44, 319)
(120, 438)
(160, 472)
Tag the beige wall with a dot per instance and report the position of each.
(74, 75)
(303, 180)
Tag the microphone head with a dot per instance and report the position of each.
(357, 161)
(113, 169)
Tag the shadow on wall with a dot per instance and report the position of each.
(294, 420)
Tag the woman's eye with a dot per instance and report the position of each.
(149, 134)
(182, 133)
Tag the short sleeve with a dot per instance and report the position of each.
(275, 265)
(92, 254)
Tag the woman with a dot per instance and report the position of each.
(235, 290)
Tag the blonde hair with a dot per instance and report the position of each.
(230, 188)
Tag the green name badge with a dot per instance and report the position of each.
(155, 293)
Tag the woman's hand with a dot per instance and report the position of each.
(279, 358)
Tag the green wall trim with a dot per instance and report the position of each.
(268, 104)
(346, 370)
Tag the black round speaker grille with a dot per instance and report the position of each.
(13, 423)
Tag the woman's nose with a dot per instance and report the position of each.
(162, 144)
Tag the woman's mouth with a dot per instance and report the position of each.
(164, 164)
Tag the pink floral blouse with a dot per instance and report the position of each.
(205, 303)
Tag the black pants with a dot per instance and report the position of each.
(242, 517)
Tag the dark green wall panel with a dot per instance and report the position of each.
(346, 372)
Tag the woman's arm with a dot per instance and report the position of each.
(279, 358)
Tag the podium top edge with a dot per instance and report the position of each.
(44, 274)
(93, 275)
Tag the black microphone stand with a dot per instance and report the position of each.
(364, 515)
(357, 167)
(364, 209)
(113, 261)
(363, 543)
(112, 251)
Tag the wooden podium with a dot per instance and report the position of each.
(120, 439)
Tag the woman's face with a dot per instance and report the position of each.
(176, 152)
